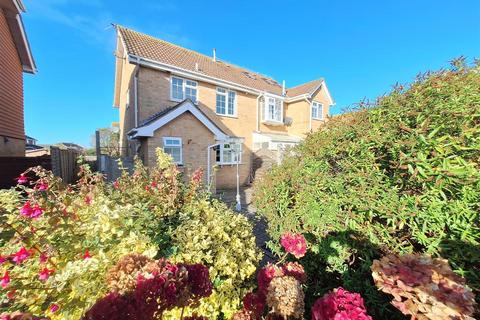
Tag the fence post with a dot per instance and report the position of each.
(97, 148)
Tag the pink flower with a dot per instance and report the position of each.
(116, 184)
(22, 179)
(36, 212)
(21, 255)
(88, 199)
(154, 184)
(340, 305)
(266, 275)
(45, 274)
(5, 281)
(54, 307)
(42, 186)
(2, 259)
(294, 244)
(26, 210)
(86, 255)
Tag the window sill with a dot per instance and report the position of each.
(227, 115)
(318, 119)
(273, 123)
(229, 164)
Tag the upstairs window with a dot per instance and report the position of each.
(173, 147)
(317, 110)
(229, 153)
(226, 102)
(273, 110)
(182, 89)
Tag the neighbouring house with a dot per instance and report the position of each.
(204, 112)
(45, 150)
(15, 58)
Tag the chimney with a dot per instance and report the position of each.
(283, 88)
(214, 55)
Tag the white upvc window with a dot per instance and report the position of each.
(229, 153)
(226, 102)
(173, 147)
(273, 110)
(317, 110)
(181, 89)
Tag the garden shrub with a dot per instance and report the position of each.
(60, 243)
(400, 176)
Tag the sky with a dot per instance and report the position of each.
(361, 48)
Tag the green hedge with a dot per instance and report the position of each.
(401, 176)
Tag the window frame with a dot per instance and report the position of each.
(180, 146)
(226, 95)
(266, 108)
(222, 150)
(319, 107)
(184, 89)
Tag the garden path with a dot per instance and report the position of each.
(248, 210)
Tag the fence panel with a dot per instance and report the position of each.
(64, 163)
(12, 167)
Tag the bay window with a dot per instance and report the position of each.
(273, 110)
(226, 102)
(182, 89)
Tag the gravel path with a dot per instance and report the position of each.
(248, 210)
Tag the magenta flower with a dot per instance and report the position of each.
(340, 304)
(21, 255)
(54, 307)
(26, 210)
(36, 212)
(2, 259)
(5, 281)
(294, 244)
(22, 179)
(42, 186)
(45, 274)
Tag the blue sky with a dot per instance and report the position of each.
(361, 48)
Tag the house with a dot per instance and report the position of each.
(206, 112)
(16, 58)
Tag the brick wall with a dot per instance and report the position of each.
(11, 95)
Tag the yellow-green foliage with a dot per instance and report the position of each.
(211, 234)
(67, 228)
(149, 212)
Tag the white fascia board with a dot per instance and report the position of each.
(196, 76)
(332, 102)
(149, 130)
(298, 98)
(30, 68)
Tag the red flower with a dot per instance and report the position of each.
(295, 269)
(21, 255)
(54, 307)
(88, 199)
(5, 281)
(86, 255)
(254, 303)
(340, 305)
(2, 259)
(116, 184)
(45, 274)
(294, 244)
(22, 179)
(154, 184)
(11, 294)
(266, 275)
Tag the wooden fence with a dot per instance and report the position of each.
(64, 163)
(12, 167)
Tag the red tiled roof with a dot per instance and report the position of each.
(309, 87)
(151, 48)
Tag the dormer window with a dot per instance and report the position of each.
(317, 110)
(273, 110)
(182, 89)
